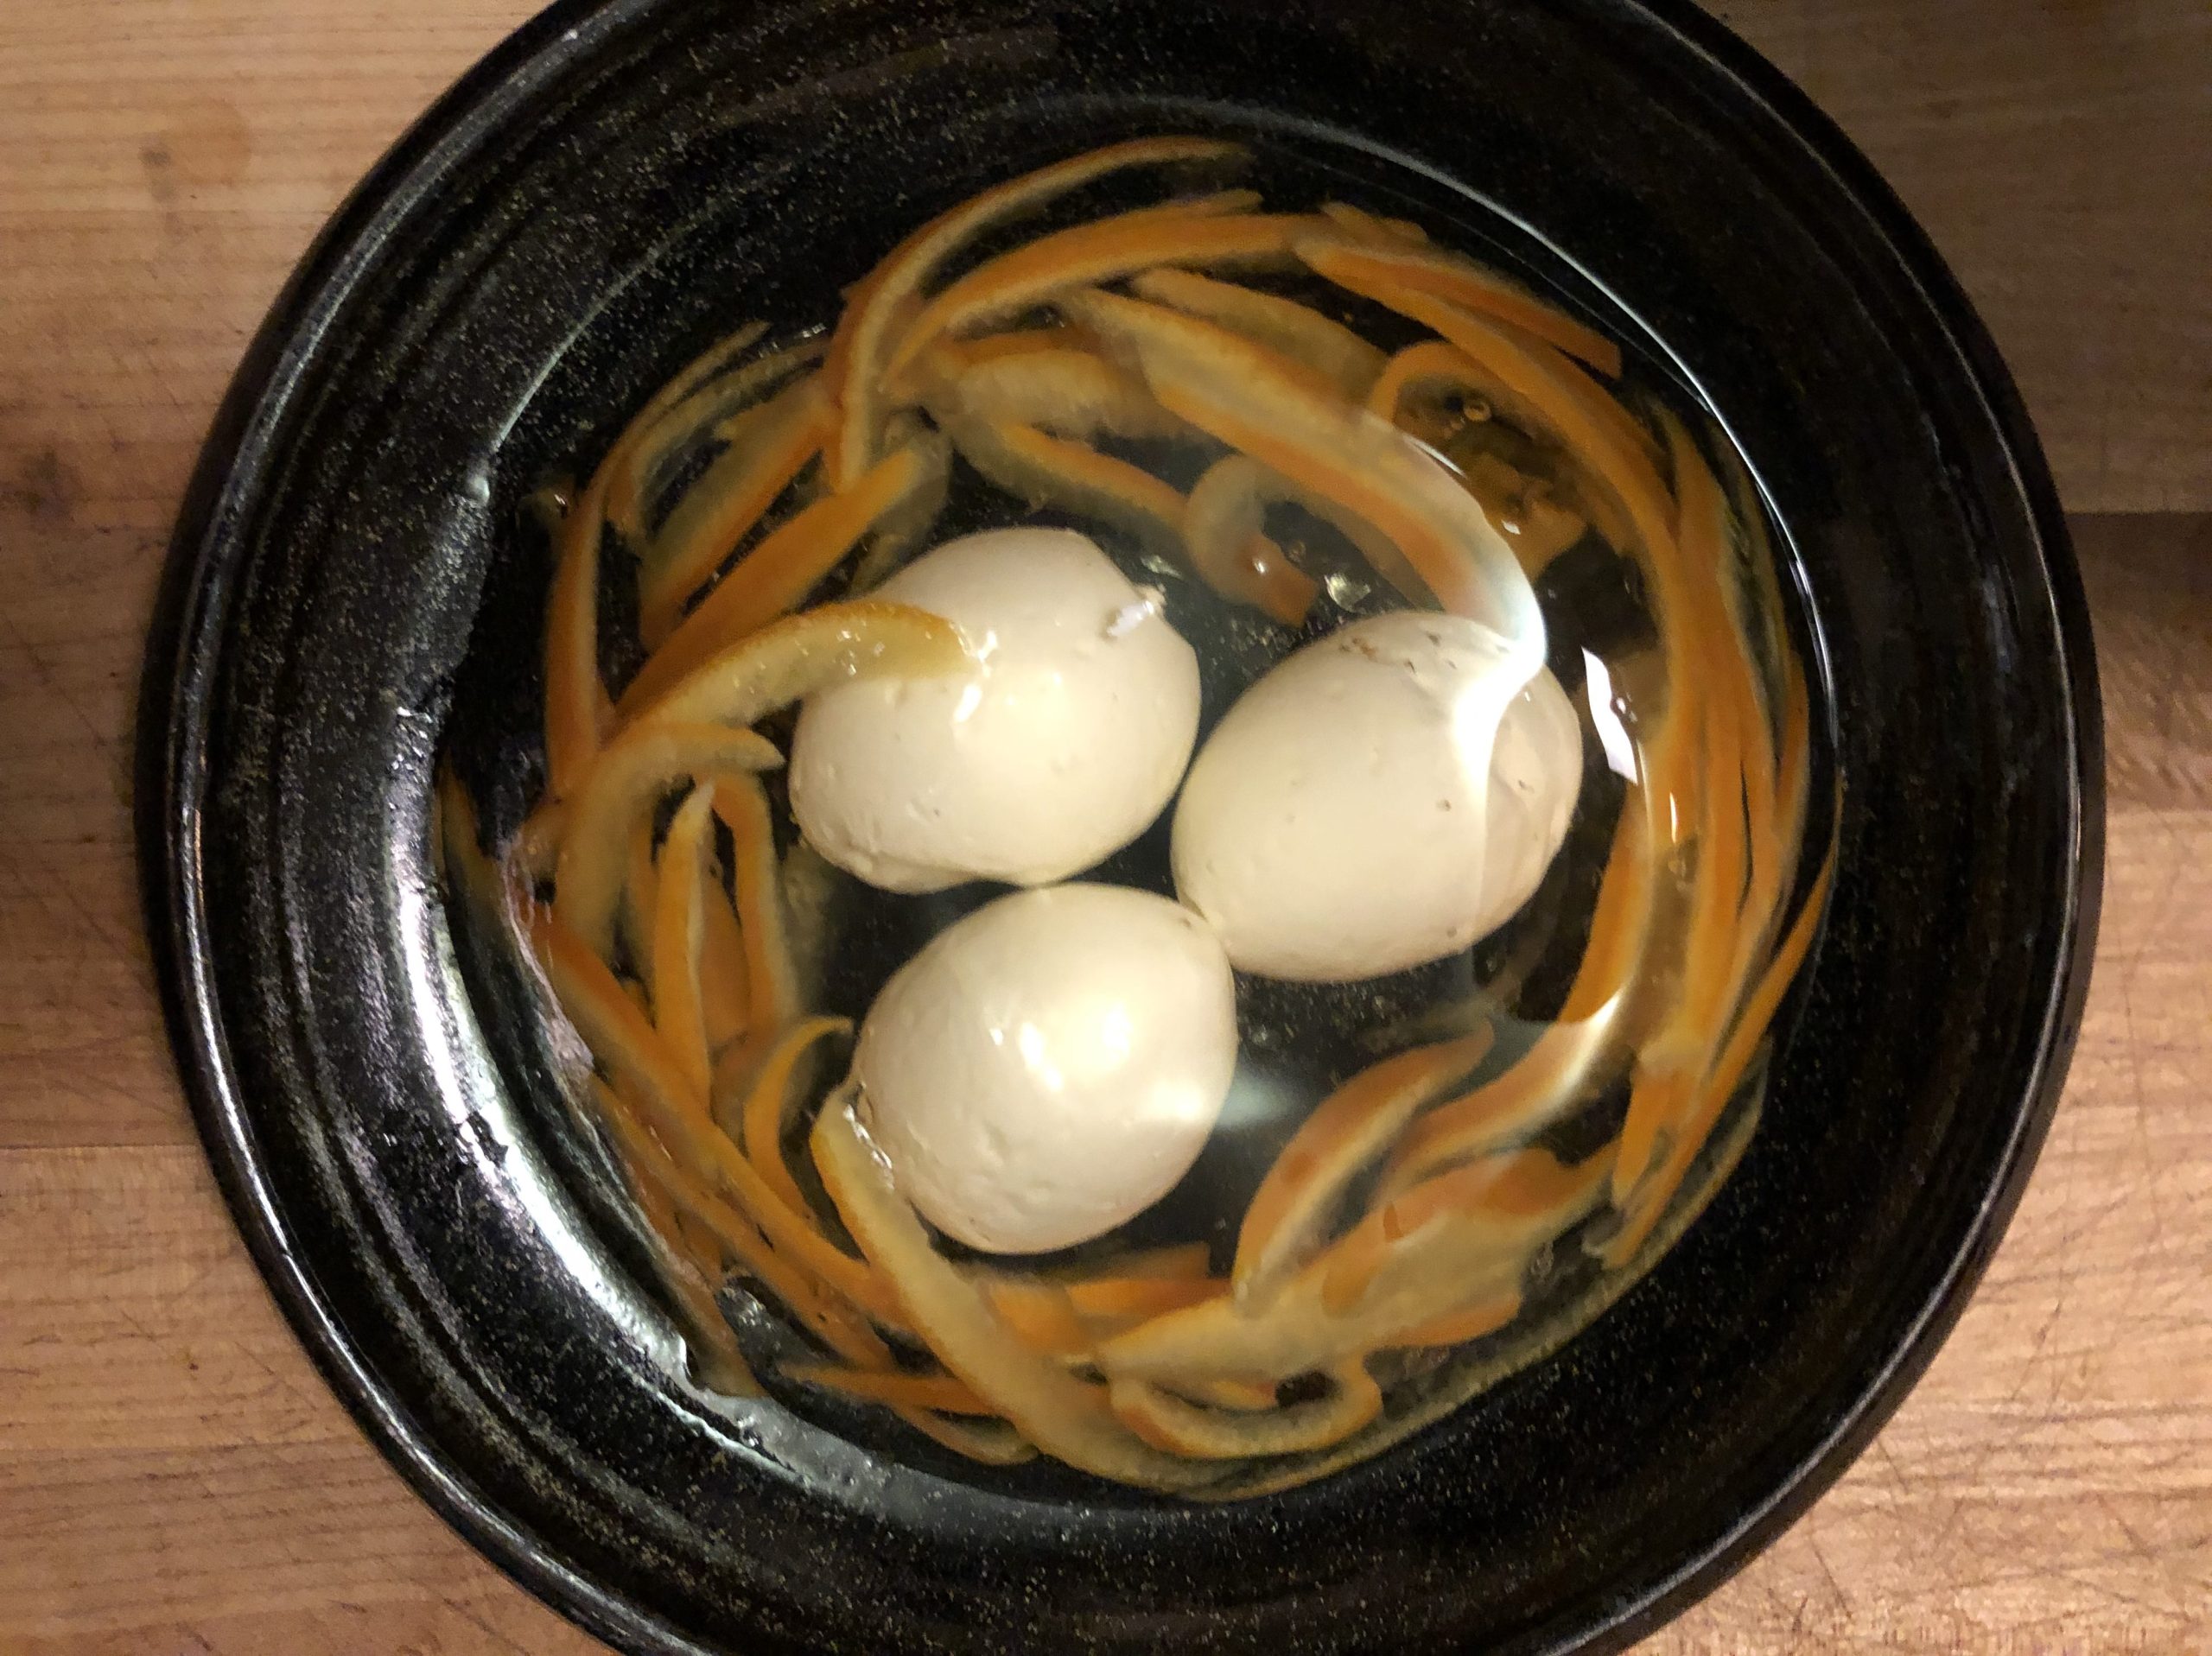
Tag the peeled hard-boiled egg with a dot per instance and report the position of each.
(1050, 1066)
(1366, 806)
(1060, 746)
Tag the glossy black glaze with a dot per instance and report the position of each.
(555, 238)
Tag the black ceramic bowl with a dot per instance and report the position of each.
(621, 180)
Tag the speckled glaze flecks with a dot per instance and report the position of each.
(584, 210)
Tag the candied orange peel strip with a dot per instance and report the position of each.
(1126, 1298)
(1295, 1333)
(1561, 396)
(1228, 1394)
(775, 1102)
(1463, 283)
(1060, 388)
(1040, 1315)
(639, 1066)
(1220, 230)
(1046, 470)
(1228, 545)
(691, 1269)
(1432, 365)
(770, 972)
(861, 345)
(1168, 1423)
(1456, 1262)
(776, 574)
(1186, 1261)
(679, 936)
(1535, 526)
(987, 1442)
(725, 993)
(792, 658)
(716, 513)
(652, 1167)
(576, 706)
(1649, 1202)
(1063, 1416)
(1552, 1074)
(1064, 1319)
(1458, 1328)
(720, 396)
(1283, 1227)
(1296, 332)
(1288, 418)
(681, 734)
(896, 1387)
(1517, 1202)
(1370, 229)
(1731, 858)
(594, 869)
(640, 893)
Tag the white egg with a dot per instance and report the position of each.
(1366, 806)
(1063, 744)
(1049, 1067)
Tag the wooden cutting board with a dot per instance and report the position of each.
(174, 1478)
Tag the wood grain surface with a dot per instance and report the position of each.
(174, 1478)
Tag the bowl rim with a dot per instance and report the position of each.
(172, 775)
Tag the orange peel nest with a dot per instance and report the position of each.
(1406, 1214)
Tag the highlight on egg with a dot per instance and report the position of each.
(1062, 743)
(1047, 1068)
(1386, 797)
